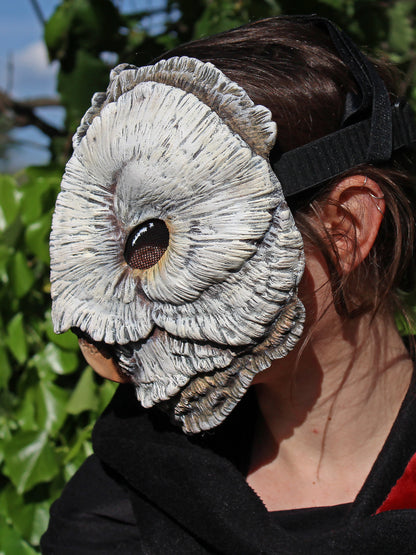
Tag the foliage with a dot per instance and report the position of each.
(84, 35)
(49, 399)
(6, 142)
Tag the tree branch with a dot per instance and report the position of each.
(41, 102)
(38, 12)
(22, 113)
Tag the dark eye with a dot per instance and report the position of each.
(146, 244)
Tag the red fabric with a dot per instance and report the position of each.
(403, 493)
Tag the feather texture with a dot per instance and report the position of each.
(179, 143)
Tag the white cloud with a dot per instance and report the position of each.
(33, 74)
(34, 56)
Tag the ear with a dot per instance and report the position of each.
(352, 216)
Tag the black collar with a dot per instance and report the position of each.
(199, 482)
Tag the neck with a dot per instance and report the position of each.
(326, 411)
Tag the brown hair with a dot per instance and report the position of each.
(292, 67)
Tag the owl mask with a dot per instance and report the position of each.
(172, 242)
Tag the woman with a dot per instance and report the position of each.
(319, 456)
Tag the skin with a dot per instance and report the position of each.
(100, 362)
(327, 408)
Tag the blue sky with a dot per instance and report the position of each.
(21, 43)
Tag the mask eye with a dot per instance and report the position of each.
(146, 244)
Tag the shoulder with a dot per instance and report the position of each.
(93, 515)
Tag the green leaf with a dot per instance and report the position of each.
(51, 403)
(5, 368)
(67, 340)
(50, 174)
(37, 237)
(25, 414)
(106, 392)
(84, 452)
(9, 201)
(401, 35)
(31, 204)
(57, 29)
(11, 542)
(22, 278)
(77, 86)
(11, 236)
(29, 459)
(85, 395)
(39, 194)
(220, 15)
(56, 359)
(91, 24)
(29, 518)
(80, 448)
(6, 254)
(16, 338)
(5, 434)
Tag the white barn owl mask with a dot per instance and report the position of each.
(172, 243)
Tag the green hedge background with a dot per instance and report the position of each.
(49, 398)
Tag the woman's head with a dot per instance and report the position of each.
(291, 66)
(285, 64)
(183, 146)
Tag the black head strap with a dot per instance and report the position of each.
(372, 128)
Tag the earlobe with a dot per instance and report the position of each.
(353, 215)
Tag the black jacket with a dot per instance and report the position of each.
(149, 489)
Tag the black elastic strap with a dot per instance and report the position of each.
(305, 167)
(373, 92)
(382, 128)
